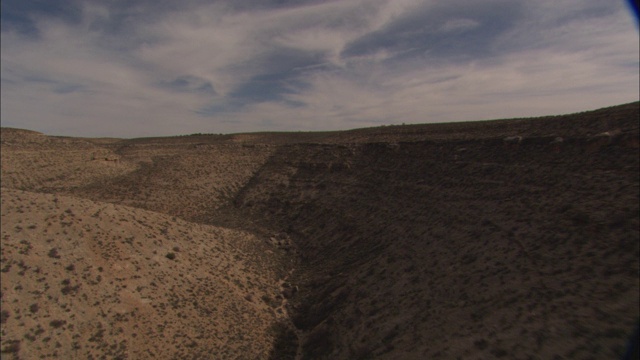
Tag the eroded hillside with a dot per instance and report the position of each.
(36, 162)
(459, 249)
(94, 280)
(503, 239)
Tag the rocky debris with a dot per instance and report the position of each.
(604, 139)
(608, 136)
(283, 242)
(288, 290)
(512, 142)
(513, 139)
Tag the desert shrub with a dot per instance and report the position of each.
(170, 256)
(481, 344)
(266, 298)
(11, 347)
(57, 323)
(53, 253)
(66, 290)
(4, 316)
(499, 352)
(6, 268)
(469, 258)
(580, 218)
(34, 308)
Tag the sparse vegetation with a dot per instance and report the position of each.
(4, 316)
(418, 241)
(57, 323)
(12, 346)
(53, 253)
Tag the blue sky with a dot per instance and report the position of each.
(142, 68)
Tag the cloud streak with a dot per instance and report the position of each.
(151, 68)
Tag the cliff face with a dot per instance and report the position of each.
(511, 238)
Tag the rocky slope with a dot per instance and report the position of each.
(470, 250)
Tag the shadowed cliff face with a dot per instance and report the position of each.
(505, 239)
(458, 249)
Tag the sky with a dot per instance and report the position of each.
(135, 68)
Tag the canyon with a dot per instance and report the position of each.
(515, 238)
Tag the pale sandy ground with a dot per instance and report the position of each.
(91, 280)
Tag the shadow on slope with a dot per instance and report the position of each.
(445, 249)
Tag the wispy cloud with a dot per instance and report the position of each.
(153, 68)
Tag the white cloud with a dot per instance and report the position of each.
(79, 79)
(459, 25)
